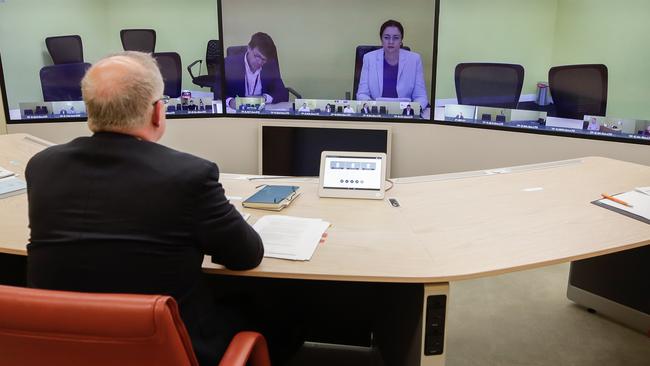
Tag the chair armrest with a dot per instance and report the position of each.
(294, 92)
(189, 68)
(246, 347)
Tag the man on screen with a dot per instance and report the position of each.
(255, 72)
(408, 111)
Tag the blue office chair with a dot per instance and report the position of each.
(579, 90)
(143, 40)
(65, 49)
(62, 82)
(213, 61)
(238, 50)
(358, 64)
(489, 84)
(170, 68)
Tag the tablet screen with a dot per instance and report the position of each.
(350, 172)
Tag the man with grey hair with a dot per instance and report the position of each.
(117, 212)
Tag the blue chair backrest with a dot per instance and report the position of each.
(170, 68)
(63, 82)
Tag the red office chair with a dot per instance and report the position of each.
(69, 328)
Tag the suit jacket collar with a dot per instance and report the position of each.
(113, 135)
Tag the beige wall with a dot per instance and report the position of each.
(509, 31)
(418, 149)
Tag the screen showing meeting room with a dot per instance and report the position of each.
(316, 40)
(540, 34)
(180, 27)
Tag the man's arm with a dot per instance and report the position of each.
(363, 91)
(420, 88)
(272, 83)
(221, 230)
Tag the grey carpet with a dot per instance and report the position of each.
(517, 319)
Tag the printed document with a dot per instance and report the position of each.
(288, 237)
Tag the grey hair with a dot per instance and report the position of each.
(122, 101)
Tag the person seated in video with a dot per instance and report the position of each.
(391, 72)
(303, 108)
(255, 72)
(408, 111)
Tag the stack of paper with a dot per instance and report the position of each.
(290, 237)
(638, 203)
(9, 184)
(5, 173)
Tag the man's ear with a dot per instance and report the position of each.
(156, 114)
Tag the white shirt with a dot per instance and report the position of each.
(303, 109)
(252, 81)
(348, 109)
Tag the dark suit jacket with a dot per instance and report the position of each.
(269, 76)
(407, 112)
(111, 213)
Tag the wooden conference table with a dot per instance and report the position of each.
(448, 227)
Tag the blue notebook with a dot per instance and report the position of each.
(272, 197)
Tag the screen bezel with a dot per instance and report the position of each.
(352, 193)
(364, 126)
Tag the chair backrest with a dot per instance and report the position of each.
(170, 68)
(213, 56)
(62, 82)
(579, 90)
(235, 50)
(40, 327)
(65, 49)
(143, 40)
(358, 64)
(489, 84)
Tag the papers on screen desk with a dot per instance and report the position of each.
(272, 197)
(640, 202)
(290, 237)
(9, 184)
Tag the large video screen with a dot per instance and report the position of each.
(331, 60)
(569, 67)
(46, 47)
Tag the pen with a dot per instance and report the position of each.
(608, 197)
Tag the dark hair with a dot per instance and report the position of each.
(265, 44)
(391, 23)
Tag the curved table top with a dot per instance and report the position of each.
(448, 227)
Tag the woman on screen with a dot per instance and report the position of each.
(392, 72)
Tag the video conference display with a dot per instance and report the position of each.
(545, 67)
(542, 67)
(46, 48)
(342, 60)
(260, 65)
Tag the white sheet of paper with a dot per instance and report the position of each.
(644, 190)
(289, 237)
(5, 173)
(640, 203)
